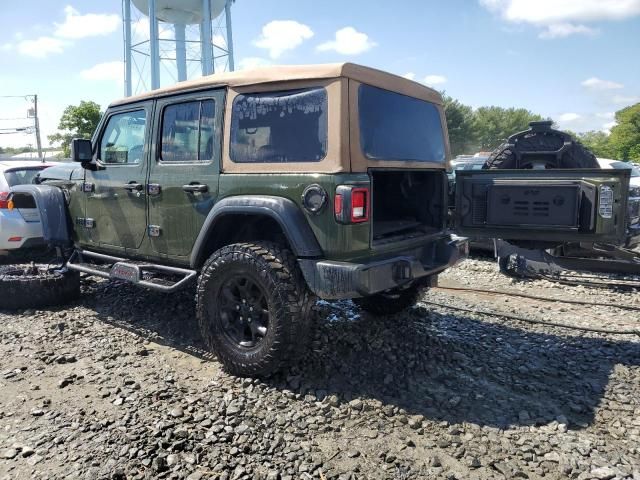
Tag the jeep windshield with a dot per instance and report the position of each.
(398, 127)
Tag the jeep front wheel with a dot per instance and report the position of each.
(253, 307)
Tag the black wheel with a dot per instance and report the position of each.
(254, 308)
(31, 286)
(388, 303)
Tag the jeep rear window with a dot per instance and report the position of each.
(398, 127)
(285, 126)
(21, 176)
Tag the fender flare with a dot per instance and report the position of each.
(284, 211)
(52, 208)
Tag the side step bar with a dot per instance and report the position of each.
(115, 268)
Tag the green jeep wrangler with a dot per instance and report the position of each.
(276, 186)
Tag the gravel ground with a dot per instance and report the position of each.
(118, 386)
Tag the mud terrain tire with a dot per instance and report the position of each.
(34, 286)
(263, 284)
(575, 156)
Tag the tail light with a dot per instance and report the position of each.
(351, 204)
(5, 201)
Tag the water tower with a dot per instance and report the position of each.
(168, 41)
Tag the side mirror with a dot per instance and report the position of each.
(81, 150)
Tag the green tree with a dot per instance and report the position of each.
(493, 125)
(462, 137)
(598, 142)
(625, 136)
(77, 121)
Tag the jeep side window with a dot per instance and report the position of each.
(123, 138)
(188, 132)
(285, 126)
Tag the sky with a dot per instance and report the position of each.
(575, 61)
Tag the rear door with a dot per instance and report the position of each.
(543, 205)
(184, 169)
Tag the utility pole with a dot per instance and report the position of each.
(37, 127)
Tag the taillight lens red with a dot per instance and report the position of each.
(4, 200)
(351, 204)
(359, 205)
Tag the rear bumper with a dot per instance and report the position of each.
(333, 280)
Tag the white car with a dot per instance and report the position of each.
(19, 227)
(633, 220)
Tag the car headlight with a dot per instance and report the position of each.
(634, 191)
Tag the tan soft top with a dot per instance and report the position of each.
(286, 73)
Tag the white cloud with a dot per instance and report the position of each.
(562, 30)
(348, 41)
(433, 80)
(547, 12)
(596, 83)
(249, 63)
(625, 99)
(569, 117)
(608, 126)
(110, 71)
(41, 47)
(606, 115)
(410, 75)
(74, 27)
(278, 36)
(89, 25)
(562, 18)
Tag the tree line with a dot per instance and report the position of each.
(485, 128)
(623, 143)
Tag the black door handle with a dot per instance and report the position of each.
(133, 187)
(195, 187)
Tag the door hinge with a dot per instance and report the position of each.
(154, 189)
(85, 222)
(154, 230)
